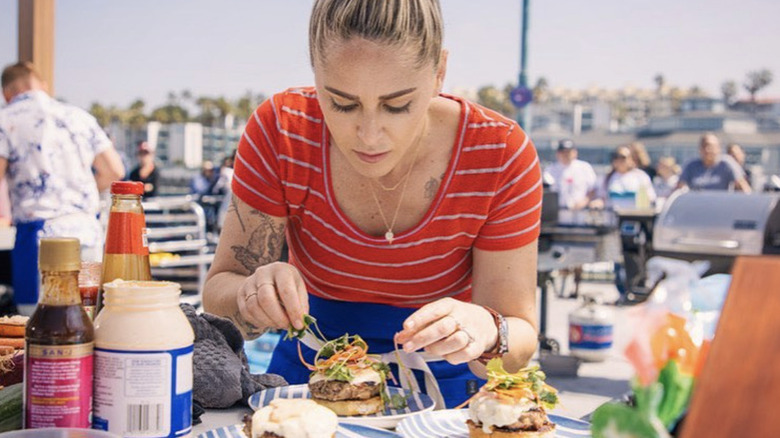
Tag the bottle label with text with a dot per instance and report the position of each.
(58, 386)
(144, 393)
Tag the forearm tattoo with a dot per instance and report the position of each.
(264, 246)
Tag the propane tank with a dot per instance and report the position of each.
(591, 330)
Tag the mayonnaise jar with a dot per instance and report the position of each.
(143, 361)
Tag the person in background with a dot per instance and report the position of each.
(412, 216)
(5, 204)
(736, 152)
(146, 171)
(713, 171)
(642, 158)
(621, 186)
(667, 176)
(573, 179)
(202, 183)
(48, 151)
(223, 187)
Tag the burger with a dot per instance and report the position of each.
(512, 405)
(346, 379)
(293, 418)
(12, 330)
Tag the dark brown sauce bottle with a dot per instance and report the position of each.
(59, 343)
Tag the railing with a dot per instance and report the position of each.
(178, 245)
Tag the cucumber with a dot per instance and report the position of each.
(11, 407)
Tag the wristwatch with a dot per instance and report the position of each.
(502, 343)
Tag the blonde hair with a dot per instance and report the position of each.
(639, 153)
(403, 23)
(670, 163)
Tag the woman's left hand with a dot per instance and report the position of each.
(457, 331)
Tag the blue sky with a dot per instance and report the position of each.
(116, 51)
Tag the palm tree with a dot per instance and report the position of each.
(135, 115)
(540, 89)
(728, 89)
(755, 81)
(207, 109)
(490, 97)
(100, 113)
(660, 83)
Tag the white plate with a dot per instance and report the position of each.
(416, 403)
(344, 431)
(452, 424)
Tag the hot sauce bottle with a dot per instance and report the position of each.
(126, 255)
(59, 343)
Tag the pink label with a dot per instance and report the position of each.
(58, 386)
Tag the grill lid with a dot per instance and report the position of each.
(715, 222)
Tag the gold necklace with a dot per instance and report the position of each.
(389, 236)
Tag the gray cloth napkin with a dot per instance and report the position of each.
(221, 374)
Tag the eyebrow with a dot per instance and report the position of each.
(385, 97)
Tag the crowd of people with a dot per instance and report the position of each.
(632, 177)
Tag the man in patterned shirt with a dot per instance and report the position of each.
(56, 157)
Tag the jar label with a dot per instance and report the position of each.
(144, 393)
(126, 234)
(58, 386)
(590, 337)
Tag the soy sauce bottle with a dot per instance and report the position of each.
(59, 340)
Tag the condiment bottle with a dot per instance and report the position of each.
(126, 254)
(59, 343)
(143, 361)
(89, 283)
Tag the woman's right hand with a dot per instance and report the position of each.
(274, 296)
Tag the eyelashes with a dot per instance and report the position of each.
(352, 107)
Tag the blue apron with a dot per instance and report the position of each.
(24, 262)
(377, 324)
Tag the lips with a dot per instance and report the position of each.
(371, 158)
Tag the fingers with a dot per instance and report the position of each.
(429, 313)
(449, 345)
(425, 316)
(267, 300)
(434, 332)
(274, 296)
(464, 355)
(291, 291)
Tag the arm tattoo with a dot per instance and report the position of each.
(264, 246)
(431, 187)
(250, 330)
(234, 207)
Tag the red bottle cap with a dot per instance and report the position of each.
(127, 188)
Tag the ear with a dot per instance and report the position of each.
(441, 72)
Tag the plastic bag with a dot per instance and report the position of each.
(673, 329)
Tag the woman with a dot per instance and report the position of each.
(667, 177)
(406, 211)
(625, 184)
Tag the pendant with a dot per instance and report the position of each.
(389, 236)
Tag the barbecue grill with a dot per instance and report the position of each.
(718, 227)
(569, 239)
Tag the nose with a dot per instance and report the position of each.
(369, 129)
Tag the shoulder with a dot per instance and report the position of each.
(291, 105)
(486, 123)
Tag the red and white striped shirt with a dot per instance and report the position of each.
(490, 198)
